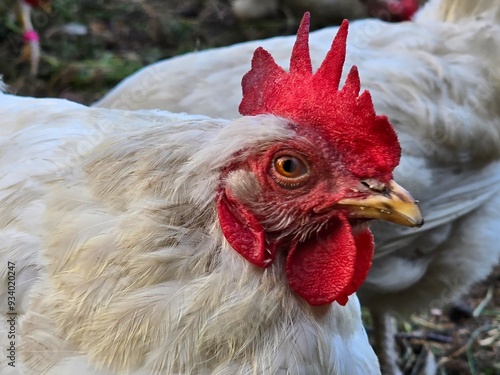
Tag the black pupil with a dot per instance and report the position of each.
(289, 165)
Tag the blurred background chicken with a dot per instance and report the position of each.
(328, 11)
(31, 52)
(437, 80)
(149, 242)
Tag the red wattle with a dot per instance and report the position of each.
(243, 232)
(332, 266)
(364, 256)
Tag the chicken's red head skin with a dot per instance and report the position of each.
(341, 143)
(37, 3)
(393, 10)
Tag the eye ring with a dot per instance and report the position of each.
(290, 170)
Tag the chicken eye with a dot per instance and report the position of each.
(290, 166)
(290, 171)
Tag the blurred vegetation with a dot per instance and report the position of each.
(88, 46)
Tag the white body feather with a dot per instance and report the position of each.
(120, 263)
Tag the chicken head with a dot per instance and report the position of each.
(313, 196)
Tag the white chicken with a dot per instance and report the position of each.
(330, 10)
(152, 243)
(437, 79)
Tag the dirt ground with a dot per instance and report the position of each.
(88, 46)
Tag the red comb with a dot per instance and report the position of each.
(366, 142)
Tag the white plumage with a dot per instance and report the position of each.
(437, 79)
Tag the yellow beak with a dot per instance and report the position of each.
(393, 204)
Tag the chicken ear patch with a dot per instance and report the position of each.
(243, 232)
(332, 265)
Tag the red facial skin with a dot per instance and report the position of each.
(334, 258)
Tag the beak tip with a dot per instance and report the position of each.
(397, 206)
(420, 223)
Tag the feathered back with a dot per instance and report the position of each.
(365, 141)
